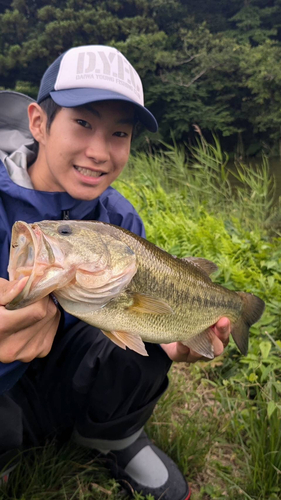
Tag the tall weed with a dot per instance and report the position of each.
(201, 177)
(255, 428)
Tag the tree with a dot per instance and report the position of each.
(213, 63)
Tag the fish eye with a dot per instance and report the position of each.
(64, 230)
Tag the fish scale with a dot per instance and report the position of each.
(126, 286)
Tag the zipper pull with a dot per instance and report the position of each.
(65, 215)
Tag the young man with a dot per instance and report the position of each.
(58, 375)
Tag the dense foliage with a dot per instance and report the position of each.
(186, 210)
(212, 63)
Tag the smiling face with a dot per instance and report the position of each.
(85, 149)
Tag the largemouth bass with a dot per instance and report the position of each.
(126, 286)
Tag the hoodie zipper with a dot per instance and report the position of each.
(65, 215)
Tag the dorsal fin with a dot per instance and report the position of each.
(204, 264)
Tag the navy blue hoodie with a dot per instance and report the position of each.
(29, 205)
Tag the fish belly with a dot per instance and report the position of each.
(158, 328)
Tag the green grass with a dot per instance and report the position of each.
(220, 421)
(223, 440)
(59, 473)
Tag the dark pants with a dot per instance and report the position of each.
(86, 382)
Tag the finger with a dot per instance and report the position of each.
(11, 289)
(40, 345)
(176, 351)
(20, 319)
(222, 330)
(183, 353)
(25, 345)
(218, 346)
(193, 357)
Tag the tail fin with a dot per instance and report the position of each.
(252, 310)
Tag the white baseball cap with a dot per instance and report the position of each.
(92, 73)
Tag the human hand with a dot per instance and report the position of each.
(180, 352)
(29, 332)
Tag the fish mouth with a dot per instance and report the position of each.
(23, 251)
(31, 255)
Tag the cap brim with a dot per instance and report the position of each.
(71, 98)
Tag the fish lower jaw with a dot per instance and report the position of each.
(87, 172)
(20, 273)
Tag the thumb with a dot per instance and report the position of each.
(10, 289)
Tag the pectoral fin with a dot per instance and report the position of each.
(202, 343)
(125, 339)
(145, 304)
